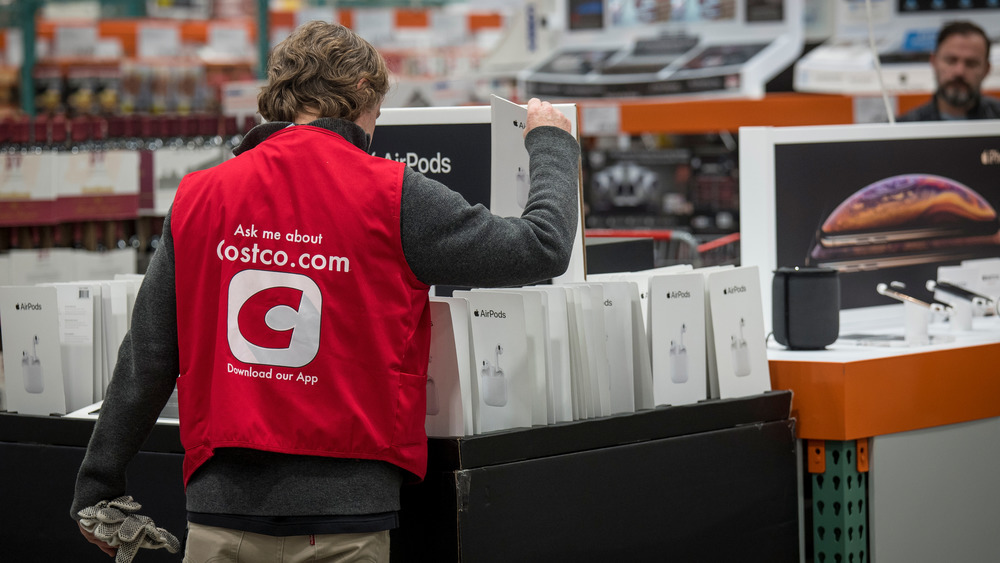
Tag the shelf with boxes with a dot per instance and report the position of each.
(99, 183)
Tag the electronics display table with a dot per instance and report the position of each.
(903, 445)
(715, 481)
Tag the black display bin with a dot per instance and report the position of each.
(713, 481)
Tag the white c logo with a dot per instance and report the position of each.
(302, 318)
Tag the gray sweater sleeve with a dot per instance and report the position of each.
(447, 241)
(144, 378)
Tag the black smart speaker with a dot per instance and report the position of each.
(805, 307)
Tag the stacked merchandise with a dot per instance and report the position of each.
(101, 183)
(61, 341)
(499, 359)
(619, 343)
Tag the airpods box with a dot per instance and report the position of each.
(737, 320)
(619, 335)
(535, 317)
(583, 406)
(32, 358)
(558, 378)
(509, 180)
(505, 379)
(590, 320)
(677, 336)
(449, 371)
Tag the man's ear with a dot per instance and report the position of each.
(362, 83)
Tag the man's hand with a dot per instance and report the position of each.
(542, 113)
(105, 547)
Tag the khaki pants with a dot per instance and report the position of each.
(208, 544)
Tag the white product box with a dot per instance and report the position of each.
(619, 340)
(557, 352)
(535, 324)
(510, 175)
(116, 297)
(677, 332)
(28, 177)
(449, 372)
(32, 354)
(737, 320)
(579, 360)
(505, 376)
(76, 311)
(641, 279)
(591, 300)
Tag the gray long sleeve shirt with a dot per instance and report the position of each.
(445, 241)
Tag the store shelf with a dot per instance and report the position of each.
(848, 394)
(698, 115)
(701, 115)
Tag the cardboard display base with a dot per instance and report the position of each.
(714, 481)
(728, 495)
(692, 483)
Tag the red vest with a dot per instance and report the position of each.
(302, 329)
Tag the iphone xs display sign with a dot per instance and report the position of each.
(887, 210)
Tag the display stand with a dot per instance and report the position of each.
(886, 426)
(617, 49)
(715, 481)
(692, 483)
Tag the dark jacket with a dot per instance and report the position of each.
(987, 108)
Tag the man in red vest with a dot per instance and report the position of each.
(290, 294)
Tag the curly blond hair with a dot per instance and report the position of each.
(318, 68)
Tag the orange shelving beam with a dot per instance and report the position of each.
(699, 116)
(860, 399)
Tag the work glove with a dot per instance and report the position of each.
(116, 523)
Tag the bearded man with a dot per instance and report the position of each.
(961, 61)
